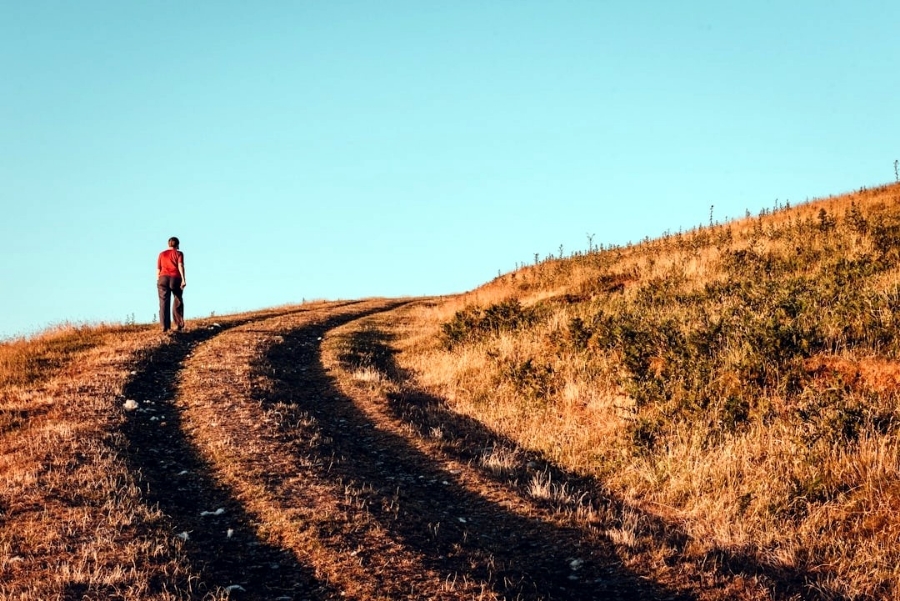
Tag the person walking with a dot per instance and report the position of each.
(170, 281)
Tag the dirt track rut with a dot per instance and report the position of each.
(294, 480)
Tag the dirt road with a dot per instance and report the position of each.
(292, 462)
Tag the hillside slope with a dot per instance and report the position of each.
(737, 382)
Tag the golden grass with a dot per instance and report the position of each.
(25, 361)
(72, 516)
(820, 507)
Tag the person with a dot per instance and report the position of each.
(170, 281)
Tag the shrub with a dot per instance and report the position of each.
(529, 378)
(474, 323)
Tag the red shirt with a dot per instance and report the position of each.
(168, 261)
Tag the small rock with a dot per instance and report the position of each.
(218, 511)
(235, 587)
(183, 535)
(131, 405)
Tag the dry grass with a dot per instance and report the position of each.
(72, 517)
(27, 361)
(74, 521)
(799, 478)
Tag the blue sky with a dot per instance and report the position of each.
(346, 149)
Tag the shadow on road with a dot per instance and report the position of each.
(458, 532)
(467, 439)
(175, 478)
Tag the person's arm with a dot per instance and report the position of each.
(181, 271)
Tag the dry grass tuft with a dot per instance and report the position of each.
(26, 361)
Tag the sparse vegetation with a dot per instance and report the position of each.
(72, 524)
(26, 361)
(739, 379)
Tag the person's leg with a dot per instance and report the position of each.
(178, 303)
(165, 294)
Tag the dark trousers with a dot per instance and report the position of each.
(169, 286)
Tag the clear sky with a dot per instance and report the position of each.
(339, 149)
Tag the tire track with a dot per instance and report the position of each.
(223, 550)
(268, 454)
(77, 527)
(520, 554)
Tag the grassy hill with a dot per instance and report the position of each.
(709, 415)
(739, 380)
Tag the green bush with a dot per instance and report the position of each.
(533, 380)
(474, 323)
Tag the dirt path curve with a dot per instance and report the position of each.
(293, 478)
(180, 481)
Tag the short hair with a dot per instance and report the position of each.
(173, 242)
